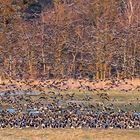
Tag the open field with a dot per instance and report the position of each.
(69, 134)
(118, 99)
(126, 100)
(122, 100)
(129, 101)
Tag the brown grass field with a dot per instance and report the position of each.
(69, 134)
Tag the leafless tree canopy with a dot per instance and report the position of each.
(95, 39)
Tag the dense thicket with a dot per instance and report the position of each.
(96, 39)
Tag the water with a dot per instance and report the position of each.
(11, 110)
(136, 113)
(32, 111)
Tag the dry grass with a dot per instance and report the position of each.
(69, 134)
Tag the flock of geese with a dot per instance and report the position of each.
(50, 104)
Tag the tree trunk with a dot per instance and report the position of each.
(104, 72)
(30, 64)
(97, 72)
(43, 60)
(10, 66)
(74, 65)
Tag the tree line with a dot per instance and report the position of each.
(95, 39)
